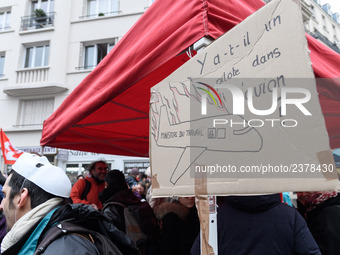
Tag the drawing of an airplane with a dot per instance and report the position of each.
(198, 136)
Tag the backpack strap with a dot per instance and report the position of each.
(102, 243)
(113, 203)
(86, 190)
(59, 230)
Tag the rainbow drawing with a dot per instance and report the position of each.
(209, 93)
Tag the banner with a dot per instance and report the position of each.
(8, 150)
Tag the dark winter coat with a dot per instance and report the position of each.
(324, 224)
(142, 211)
(131, 181)
(3, 226)
(72, 244)
(260, 225)
(179, 228)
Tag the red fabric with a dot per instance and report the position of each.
(108, 112)
(9, 152)
(311, 200)
(281, 197)
(326, 66)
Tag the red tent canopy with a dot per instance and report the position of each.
(108, 112)
(326, 66)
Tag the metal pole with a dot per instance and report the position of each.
(213, 237)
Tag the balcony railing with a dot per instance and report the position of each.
(32, 75)
(33, 22)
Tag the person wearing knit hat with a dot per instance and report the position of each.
(132, 180)
(321, 210)
(134, 171)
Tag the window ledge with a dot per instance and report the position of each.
(34, 90)
(81, 71)
(21, 128)
(6, 31)
(96, 18)
(35, 30)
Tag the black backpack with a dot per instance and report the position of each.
(140, 226)
(83, 220)
(132, 226)
(102, 243)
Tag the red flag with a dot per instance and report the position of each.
(8, 150)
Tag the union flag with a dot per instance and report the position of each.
(8, 150)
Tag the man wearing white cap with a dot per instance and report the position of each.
(35, 200)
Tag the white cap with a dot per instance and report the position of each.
(42, 173)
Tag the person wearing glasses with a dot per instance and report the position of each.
(86, 190)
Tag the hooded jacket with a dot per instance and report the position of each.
(116, 213)
(260, 225)
(141, 210)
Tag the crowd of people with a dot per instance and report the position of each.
(108, 213)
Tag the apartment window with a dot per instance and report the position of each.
(95, 53)
(94, 7)
(36, 56)
(34, 112)
(5, 17)
(335, 33)
(46, 5)
(2, 64)
(313, 11)
(324, 23)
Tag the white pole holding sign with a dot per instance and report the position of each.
(213, 235)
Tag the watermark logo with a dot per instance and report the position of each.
(238, 99)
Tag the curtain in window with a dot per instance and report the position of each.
(34, 112)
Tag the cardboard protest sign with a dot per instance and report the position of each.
(243, 115)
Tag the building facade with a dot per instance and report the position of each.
(47, 47)
(322, 23)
